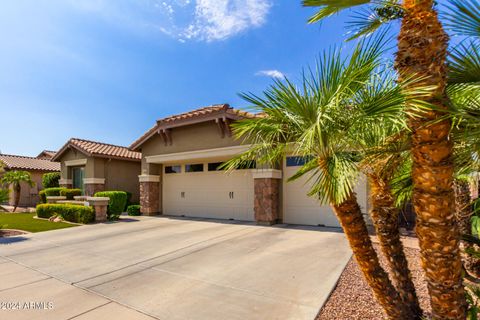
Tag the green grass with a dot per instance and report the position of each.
(25, 221)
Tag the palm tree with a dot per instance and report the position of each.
(15, 179)
(321, 122)
(422, 51)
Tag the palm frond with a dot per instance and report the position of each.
(330, 7)
(463, 17)
(315, 118)
(464, 63)
(367, 20)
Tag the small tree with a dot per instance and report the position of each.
(51, 180)
(15, 178)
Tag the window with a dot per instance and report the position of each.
(215, 166)
(297, 161)
(173, 169)
(77, 176)
(194, 167)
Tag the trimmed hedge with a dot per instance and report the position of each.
(69, 212)
(49, 192)
(116, 205)
(129, 200)
(50, 180)
(134, 210)
(70, 193)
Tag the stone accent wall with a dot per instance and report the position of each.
(150, 198)
(267, 200)
(101, 212)
(91, 188)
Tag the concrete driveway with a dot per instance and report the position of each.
(166, 268)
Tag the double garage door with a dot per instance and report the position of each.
(209, 194)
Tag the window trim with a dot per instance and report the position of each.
(172, 166)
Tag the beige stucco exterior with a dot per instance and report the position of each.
(198, 136)
(117, 174)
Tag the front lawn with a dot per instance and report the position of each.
(26, 222)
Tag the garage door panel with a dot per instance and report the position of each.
(210, 195)
(302, 209)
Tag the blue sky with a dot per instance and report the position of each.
(107, 69)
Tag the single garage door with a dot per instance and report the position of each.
(304, 210)
(194, 191)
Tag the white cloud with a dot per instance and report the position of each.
(271, 73)
(204, 20)
(221, 19)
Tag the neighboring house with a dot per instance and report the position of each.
(37, 167)
(95, 166)
(46, 154)
(180, 159)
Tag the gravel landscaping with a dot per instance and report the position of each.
(353, 299)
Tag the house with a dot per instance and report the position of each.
(180, 174)
(95, 166)
(46, 154)
(36, 167)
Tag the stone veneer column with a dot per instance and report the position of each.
(65, 183)
(149, 194)
(267, 195)
(93, 185)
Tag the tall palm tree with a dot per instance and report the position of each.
(15, 179)
(321, 121)
(384, 158)
(422, 51)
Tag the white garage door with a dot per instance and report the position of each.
(209, 194)
(305, 210)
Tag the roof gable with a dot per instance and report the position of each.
(99, 149)
(210, 113)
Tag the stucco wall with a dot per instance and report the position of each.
(199, 136)
(123, 176)
(73, 154)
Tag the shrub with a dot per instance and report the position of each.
(50, 180)
(69, 212)
(134, 210)
(129, 200)
(49, 192)
(70, 193)
(116, 205)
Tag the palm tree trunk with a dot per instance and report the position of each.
(463, 213)
(353, 224)
(18, 190)
(422, 49)
(385, 219)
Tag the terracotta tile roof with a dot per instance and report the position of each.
(100, 149)
(218, 108)
(14, 162)
(46, 154)
(186, 118)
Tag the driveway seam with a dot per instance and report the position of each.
(26, 284)
(80, 314)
